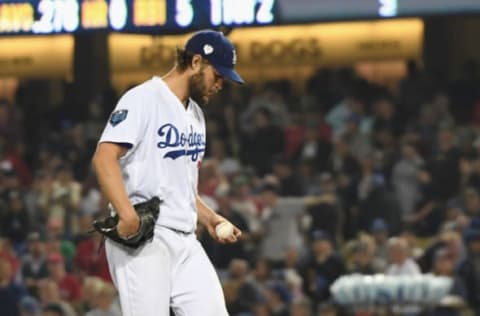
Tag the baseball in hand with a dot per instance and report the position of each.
(224, 230)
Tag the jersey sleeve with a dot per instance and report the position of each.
(127, 122)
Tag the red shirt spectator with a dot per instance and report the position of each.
(90, 260)
(70, 288)
(8, 253)
(68, 284)
(294, 135)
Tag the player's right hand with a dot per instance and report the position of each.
(128, 226)
(131, 228)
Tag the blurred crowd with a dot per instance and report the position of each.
(336, 177)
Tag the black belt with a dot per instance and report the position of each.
(178, 231)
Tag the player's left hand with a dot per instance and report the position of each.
(211, 230)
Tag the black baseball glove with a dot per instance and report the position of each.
(147, 213)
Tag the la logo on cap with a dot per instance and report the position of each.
(234, 57)
(207, 49)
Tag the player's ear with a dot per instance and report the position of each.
(196, 62)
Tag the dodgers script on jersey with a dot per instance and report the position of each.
(166, 144)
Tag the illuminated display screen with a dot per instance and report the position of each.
(179, 16)
(156, 16)
(294, 11)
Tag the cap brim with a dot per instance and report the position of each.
(229, 74)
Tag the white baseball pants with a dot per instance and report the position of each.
(171, 271)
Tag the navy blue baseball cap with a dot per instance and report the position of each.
(218, 50)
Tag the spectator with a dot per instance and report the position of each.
(227, 165)
(281, 218)
(34, 263)
(76, 150)
(444, 265)
(294, 134)
(385, 115)
(376, 200)
(405, 179)
(346, 169)
(352, 103)
(326, 214)
(323, 268)
(401, 262)
(413, 243)
(91, 200)
(11, 159)
(361, 259)
(313, 149)
(15, 222)
(470, 267)
(290, 273)
(426, 220)
(245, 295)
(463, 91)
(91, 285)
(246, 203)
(413, 89)
(301, 307)
(90, 258)
(8, 253)
(10, 293)
(53, 309)
(65, 197)
(264, 143)
(455, 217)
(454, 245)
(56, 243)
(342, 161)
(278, 299)
(105, 303)
(38, 199)
(68, 284)
(210, 178)
(380, 234)
(359, 143)
(289, 181)
(472, 203)
(269, 101)
(261, 275)
(84, 228)
(326, 309)
(29, 306)
(50, 294)
(445, 165)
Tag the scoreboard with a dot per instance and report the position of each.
(158, 16)
(181, 16)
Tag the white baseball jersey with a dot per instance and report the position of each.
(166, 145)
